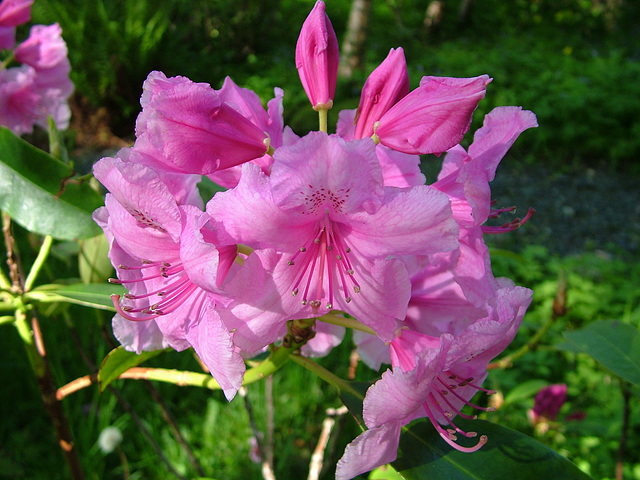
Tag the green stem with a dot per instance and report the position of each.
(7, 61)
(507, 362)
(326, 375)
(323, 117)
(346, 322)
(45, 248)
(7, 319)
(28, 339)
(185, 378)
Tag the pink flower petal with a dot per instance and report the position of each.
(434, 117)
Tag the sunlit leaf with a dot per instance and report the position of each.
(507, 455)
(386, 472)
(119, 361)
(96, 295)
(614, 344)
(38, 192)
(93, 262)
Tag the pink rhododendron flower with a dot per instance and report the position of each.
(41, 86)
(187, 128)
(433, 377)
(317, 58)
(329, 220)
(12, 14)
(432, 118)
(338, 229)
(19, 99)
(166, 257)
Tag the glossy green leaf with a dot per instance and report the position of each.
(38, 192)
(614, 344)
(354, 402)
(93, 262)
(119, 361)
(96, 295)
(386, 472)
(508, 455)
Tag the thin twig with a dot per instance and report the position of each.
(33, 342)
(268, 447)
(87, 380)
(267, 470)
(166, 415)
(145, 432)
(626, 415)
(315, 467)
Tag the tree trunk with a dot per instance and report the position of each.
(353, 45)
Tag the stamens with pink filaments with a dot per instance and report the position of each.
(171, 295)
(449, 434)
(438, 400)
(509, 226)
(328, 251)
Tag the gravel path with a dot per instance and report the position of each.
(583, 210)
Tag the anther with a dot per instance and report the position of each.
(291, 262)
(356, 288)
(294, 292)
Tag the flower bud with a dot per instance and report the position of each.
(432, 118)
(386, 85)
(317, 57)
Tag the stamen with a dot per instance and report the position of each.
(509, 226)
(452, 388)
(449, 435)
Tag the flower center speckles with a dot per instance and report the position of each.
(320, 199)
(145, 220)
(441, 400)
(166, 286)
(325, 255)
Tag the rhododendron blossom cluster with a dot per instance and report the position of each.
(40, 87)
(324, 227)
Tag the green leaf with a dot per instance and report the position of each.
(93, 262)
(614, 344)
(38, 192)
(507, 455)
(354, 402)
(96, 295)
(386, 472)
(119, 361)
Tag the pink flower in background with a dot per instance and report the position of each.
(547, 403)
(40, 87)
(317, 58)
(12, 14)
